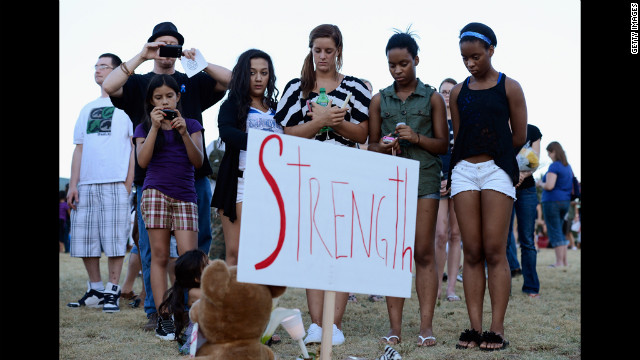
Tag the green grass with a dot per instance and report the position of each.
(544, 328)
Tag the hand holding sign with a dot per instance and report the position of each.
(193, 62)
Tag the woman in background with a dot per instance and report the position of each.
(556, 186)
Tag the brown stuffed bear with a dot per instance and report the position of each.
(232, 315)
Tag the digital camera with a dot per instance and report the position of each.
(172, 51)
(169, 114)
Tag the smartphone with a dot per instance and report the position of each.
(173, 51)
(388, 139)
(169, 114)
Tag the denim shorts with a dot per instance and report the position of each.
(435, 195)
(481, 176)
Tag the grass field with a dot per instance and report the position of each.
(544, 328)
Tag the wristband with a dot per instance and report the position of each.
(125, 69)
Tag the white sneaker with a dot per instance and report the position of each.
(314, 334)
(111, 298)
(338, 336)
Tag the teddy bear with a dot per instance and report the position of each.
(232, 315)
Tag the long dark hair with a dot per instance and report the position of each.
(158, 81)
(188, 270)
(239, 86)
(308, 73)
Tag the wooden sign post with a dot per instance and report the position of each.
(328, 310)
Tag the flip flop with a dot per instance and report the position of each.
(469, 336)
(534, 296)
(423, 339)
(387, 340)
(453, 298)
(491, 337)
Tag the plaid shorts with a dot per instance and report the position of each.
(101, 221)
(160, 211)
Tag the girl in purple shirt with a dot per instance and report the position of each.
(170, 148)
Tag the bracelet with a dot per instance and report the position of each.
(418, 142)
(125, 69)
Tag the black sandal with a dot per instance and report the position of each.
(491, 337)
(469, 336)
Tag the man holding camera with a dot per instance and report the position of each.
(199, 92)
(99, 189)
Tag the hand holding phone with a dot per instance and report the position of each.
(171, 51)
(169, 114)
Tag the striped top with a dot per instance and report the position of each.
(292, 107)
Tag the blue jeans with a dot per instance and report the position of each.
(144, 250)
(524, 209)
(554, 212)
(203, 191)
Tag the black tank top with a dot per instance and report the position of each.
(484, 127)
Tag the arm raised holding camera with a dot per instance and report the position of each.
(115, 81)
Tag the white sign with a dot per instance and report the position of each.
(321, 216)
(192, 67)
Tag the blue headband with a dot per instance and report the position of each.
(475, 34)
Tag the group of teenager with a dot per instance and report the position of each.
(166, 162)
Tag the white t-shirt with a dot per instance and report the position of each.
(256, 119)
(105, 134)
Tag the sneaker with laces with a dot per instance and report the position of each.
(111, 298)
(92, 298)
(165, 329)
(314, 334)
(338, 336)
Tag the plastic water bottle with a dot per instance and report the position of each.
(323, 100)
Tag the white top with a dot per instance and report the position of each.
(256, 119)
(105, 134)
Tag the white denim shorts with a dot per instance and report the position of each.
(240, 194)
(481, 176)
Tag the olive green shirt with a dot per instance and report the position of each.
(416, 113)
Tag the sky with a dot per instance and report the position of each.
(538, 46)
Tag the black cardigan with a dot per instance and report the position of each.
(226, 190)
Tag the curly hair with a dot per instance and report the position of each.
(403, 40)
